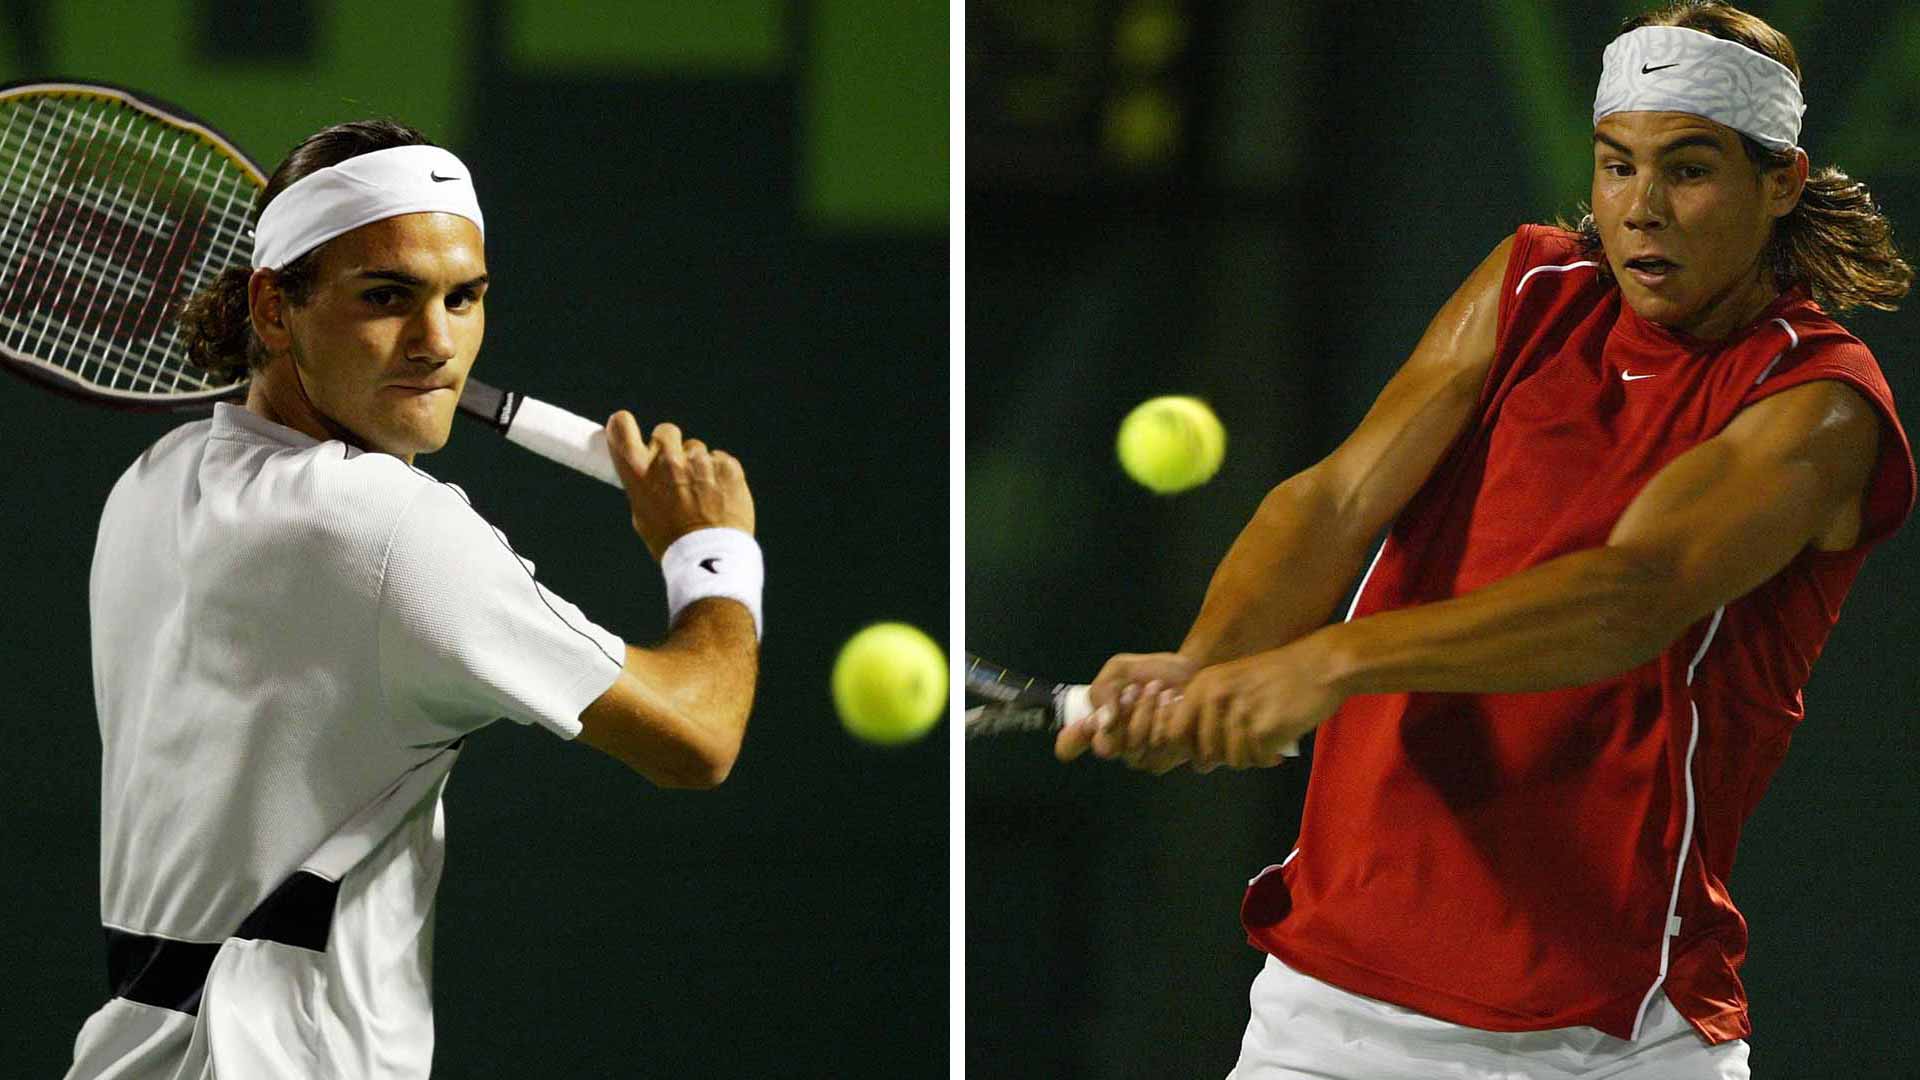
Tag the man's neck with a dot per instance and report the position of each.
(277, 394)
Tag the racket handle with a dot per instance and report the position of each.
(1074, 704)
(558, 435)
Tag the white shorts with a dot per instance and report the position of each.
(1304, 1028)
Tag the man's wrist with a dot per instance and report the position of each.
(714, 562)
(1334, 652)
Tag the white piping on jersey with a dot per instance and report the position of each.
(1351, 608)
(1528, 276)
(1364, 578)
(1671, 925)
(1794, 340)
(1275, 868)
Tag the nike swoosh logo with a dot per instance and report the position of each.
(1645, 70)
(707, 565)
(438, 179)
(1628, 376)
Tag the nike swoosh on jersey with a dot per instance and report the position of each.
(1628, 376)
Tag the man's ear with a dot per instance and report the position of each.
(267, 305)
(1785, 186)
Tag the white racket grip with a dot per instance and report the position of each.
(558, 435)
(1075, 705)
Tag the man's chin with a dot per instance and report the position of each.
(431, 442)
(406, 442)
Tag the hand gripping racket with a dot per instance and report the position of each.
(1013, 702)
(114, 209)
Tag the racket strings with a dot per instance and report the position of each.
(109, 221)
(149, 319)
(64, 242)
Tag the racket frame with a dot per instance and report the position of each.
(56, 378)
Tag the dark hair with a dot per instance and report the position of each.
(215, 322)
(1836, 240)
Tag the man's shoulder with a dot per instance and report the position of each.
(381, 494)
(1537, 246)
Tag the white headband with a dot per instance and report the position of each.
(1673, 69)
(340, 198)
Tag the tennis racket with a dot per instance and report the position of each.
(1014, 702)
(1010, 701)
(115, 208)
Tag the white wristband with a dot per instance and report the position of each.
(714, 562)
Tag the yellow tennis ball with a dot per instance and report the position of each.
(890, 683)
(1170, 444)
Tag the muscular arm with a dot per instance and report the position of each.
(1715, 523)
(1712, 525)
(1306, 543)
(678, 712)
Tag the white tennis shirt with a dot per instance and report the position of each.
(289, 639)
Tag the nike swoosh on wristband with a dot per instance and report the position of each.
(1628, 376)
(1645, 70)
(707, 564)
(437, 178)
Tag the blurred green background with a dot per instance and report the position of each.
(731, 214)
(1263, 204)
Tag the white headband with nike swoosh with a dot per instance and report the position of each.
(1674, 69)
(340, 198)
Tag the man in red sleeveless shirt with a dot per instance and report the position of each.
(1627, 478)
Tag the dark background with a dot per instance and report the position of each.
(731, 215)
(1263, 204)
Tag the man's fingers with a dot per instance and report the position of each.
(1233, 739)
(1109, 738)
(1107, 687)
(1073, 740)
(1140, 717)
(665, 443)
(1167, 731)
(1204, 737)
(623, 434)
(699, 461)
(1168, 763)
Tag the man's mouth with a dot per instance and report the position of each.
(1651, 270)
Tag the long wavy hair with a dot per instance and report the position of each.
(215, 323)
(1837, 240)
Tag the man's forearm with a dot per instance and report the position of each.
(1281, 579)
(679, 713)
(1570, 621)
(708, 665)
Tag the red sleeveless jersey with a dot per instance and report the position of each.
(1516, 862)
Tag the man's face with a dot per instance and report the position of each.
(1684, 217)
(394, 322)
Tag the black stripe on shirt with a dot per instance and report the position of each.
(172, 974)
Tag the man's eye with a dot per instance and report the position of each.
(381, 297)
(463, 298)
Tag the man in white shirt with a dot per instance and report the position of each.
(294, 629)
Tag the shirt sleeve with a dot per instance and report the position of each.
(467, 635)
